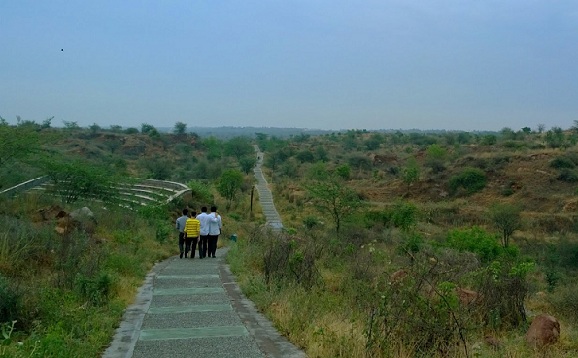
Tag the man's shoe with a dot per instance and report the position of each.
(181, 256)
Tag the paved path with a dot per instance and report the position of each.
(265, 195)
(194, 308)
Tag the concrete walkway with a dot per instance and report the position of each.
(265, 195)
(194, 308)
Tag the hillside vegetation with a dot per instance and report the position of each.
(415, 244)
(395, 244)
(65, 276)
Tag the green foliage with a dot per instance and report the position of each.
(360, 162)
(147, 128)
(95, 290)
(310, 222)
(564, 301)
(180, 128)
(475, 240)
(247, 163)
(404, 215)
(555, 137)
(238, 147)
(76, 179)
(334, 198)
(17, 144)
(489, 139)
(343, 171)
(436, 157)
(568, 175)
(410, 173)
(158, 168)
(201, 193)
(305, 156)
(229, 184)
(470, 179)
(163, 232)
(562, 162)
(506, 218)
(10, 301)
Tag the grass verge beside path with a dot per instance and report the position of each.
(63, 295)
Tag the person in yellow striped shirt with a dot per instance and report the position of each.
(192, 231)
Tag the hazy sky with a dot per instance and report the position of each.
(326, 64)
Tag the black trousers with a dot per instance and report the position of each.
(191, 245)
(213, 245)
(203, 245)
(181, 242)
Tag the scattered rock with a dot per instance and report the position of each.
(544, 331)
(397, 276)
(467, 297)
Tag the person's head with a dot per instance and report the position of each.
(185, 212)
(204, 209)
(193, 214)
(213, 209)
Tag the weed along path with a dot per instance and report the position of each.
(265, 195)
(194, 308)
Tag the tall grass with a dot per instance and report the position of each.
(67, 292)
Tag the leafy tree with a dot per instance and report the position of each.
(77, 179)
(555, 137)
(70, 125)
(489, 139)
(47, 123)
(180, 128)
(247, 163)
(321, 153)
(147, 128)
(115, 128)
(94, 128)
(229, 184)
(334, 198)
(506, 218)
(213, 147)
(238, 147)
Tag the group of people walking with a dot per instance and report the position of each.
(202, 230)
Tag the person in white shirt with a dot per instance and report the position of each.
(215, 225)
(204, 218)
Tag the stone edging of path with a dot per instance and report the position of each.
(268, 339)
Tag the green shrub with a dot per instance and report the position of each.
(10, 301)
(470, 179)
(475, 240)
(404, 215)
(95, 290)
(563, 299)
(562, 162)
(568, 175)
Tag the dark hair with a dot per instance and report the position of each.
(193, 213)
(213, 209)
(185, 211)
(204, 209)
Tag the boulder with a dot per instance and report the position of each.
(543, 331)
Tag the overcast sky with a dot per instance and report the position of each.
(323, 64)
